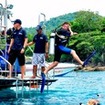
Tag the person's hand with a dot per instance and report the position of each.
(75, 33)
(27, 45)
(46, 55)
(22, 51)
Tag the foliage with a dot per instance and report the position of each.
(2, 42)
(86, 21)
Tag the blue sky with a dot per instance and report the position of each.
(28, 10)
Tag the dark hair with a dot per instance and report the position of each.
(66, 23)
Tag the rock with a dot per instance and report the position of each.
(101, 68)
(89, 68)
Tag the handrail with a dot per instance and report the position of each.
(30, 49)
(8, 64)
(2, 52)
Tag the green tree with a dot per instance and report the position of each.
(86, 21)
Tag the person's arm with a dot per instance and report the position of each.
(25, 39)
(72, 33)
(24, 45)
(11, 43)
(46, 46)
(30, 43)
(25, 42)
(46, 49)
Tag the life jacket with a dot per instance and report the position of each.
(62, 37)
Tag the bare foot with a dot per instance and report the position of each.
(22, 76)
(33, 76)
(9, 76)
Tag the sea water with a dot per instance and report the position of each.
(71, 89)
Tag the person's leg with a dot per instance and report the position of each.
(41, 59)
(34, 71)
(35, 63)
(21, 59)
(11, 60)
(76, 57)
(72, 52)
(54, 64)
(57, 57)
(10, 70)
(22, 71)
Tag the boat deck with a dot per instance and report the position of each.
(13, 82)
(26, 82)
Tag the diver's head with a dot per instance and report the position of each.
(66, 25)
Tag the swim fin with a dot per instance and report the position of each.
(88, 58)
(43, 82)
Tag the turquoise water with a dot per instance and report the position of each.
(71, 89)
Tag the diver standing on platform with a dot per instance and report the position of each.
(8, 40)
(17, 46)
(40, 50)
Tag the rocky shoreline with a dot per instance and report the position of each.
(90, 68)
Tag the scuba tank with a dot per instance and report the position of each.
(52, 43)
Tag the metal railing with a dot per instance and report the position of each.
(2, 52)
(10, 71)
